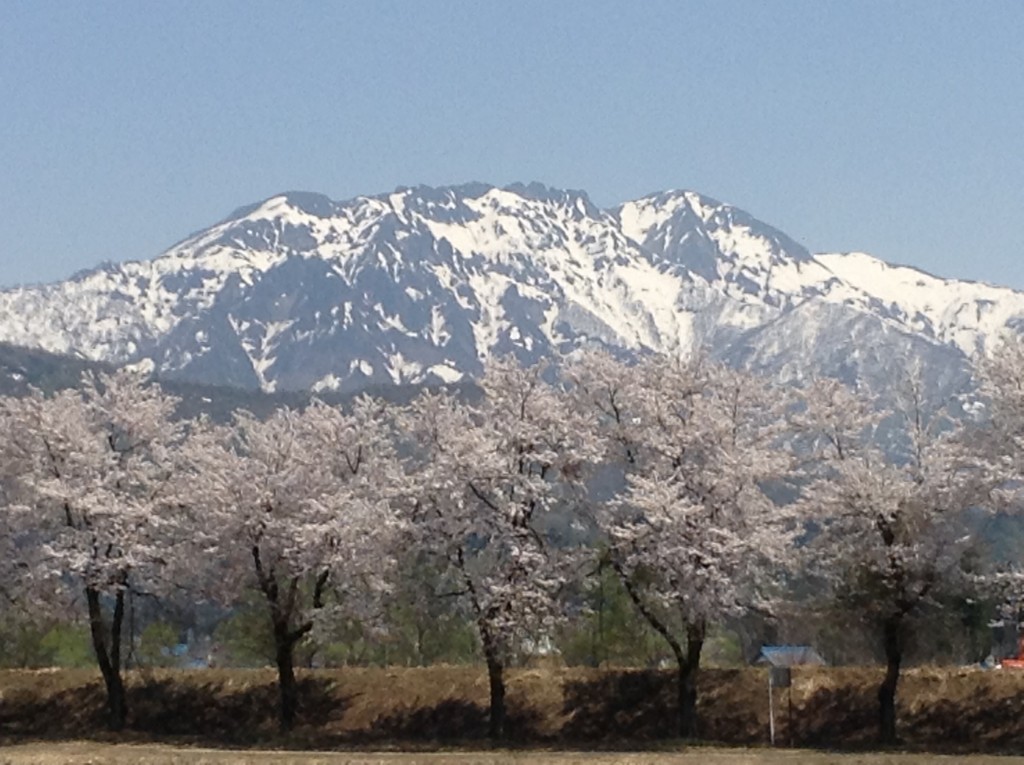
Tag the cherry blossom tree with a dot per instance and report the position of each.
(298, 506)
(94, 469)
(487, 479)
(694, 532)
(1002, 385)
(892, 540)
(1000, 444)
(16, 565)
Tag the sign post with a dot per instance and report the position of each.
(781, 659)
(778, 677)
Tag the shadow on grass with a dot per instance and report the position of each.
(452, 720)
(636, 705)
(981, 718)
(978, 719)
(72, 712)
(837, 716)
(214, 712)
(226, 714)
(642, 705)
(731, 711)
(945, 711)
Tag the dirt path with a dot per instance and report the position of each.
(87, 753)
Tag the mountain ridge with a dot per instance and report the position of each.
(422, 284)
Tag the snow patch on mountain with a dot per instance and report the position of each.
(424, 284)
(969, 315)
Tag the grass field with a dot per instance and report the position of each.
(82, 753)
(947, 710)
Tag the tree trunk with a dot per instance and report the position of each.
(284, 646)
(688, 669)
(688, 661)
(109, 656)
(282, 608)
(492, 654)
(887, 690)
(496, 678)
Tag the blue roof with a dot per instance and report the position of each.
(790, 656)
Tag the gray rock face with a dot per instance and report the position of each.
(422, 285)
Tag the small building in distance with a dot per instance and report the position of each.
(790, 656)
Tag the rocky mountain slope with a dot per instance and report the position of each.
(423, 284)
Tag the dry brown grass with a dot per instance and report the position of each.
(941, 709)
(82, 753)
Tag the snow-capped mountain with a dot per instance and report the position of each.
(423, 284)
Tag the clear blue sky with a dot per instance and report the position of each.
(891, 127)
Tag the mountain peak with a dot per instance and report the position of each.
(310, 202)
(423, 283)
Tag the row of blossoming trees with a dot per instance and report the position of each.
(703, 488)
